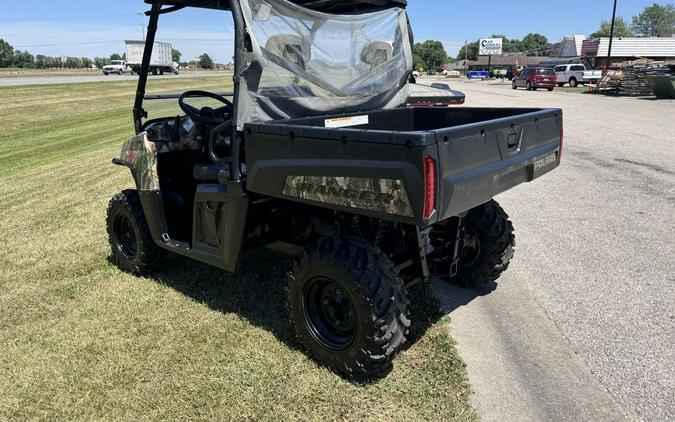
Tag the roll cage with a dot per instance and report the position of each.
(160, 7)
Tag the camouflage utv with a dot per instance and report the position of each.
(321, 145)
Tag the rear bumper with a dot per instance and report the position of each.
(544, 84)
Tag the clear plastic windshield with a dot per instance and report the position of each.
(306, 62)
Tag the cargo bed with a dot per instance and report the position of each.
(477, 154)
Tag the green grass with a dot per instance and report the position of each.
(81, 340)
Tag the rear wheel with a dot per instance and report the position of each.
(561, 84)
(550, 89)
(348, 306)
(133, 249)
(488, 245)
(573, 82)
(513, 85)
(528, 86)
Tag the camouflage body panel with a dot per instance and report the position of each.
(141, 151)
(380, 195)
(141, 155)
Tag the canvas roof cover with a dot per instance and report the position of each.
(305, 62)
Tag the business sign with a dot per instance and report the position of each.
(490, 46)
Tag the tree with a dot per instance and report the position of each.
(176, 55)
(116, 56)
(6, 54)
(621, 29)
(100, 62)
(470, 51)
(431, 53)
(73, 62)
(86, 62)
(205, 61)
(535, 45)
(23, 59)
(655, 21)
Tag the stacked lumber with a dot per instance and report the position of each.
(634, 78)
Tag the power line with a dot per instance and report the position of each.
(66, 18)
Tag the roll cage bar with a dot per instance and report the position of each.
(160, 7)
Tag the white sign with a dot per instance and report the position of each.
(490, 46)
(347, 121)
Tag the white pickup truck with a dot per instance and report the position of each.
(575, 74)
(116, 66)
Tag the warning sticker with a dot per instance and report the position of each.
(347, 121)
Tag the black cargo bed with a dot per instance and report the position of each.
(479, 152)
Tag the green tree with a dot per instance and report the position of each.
(431, 53)
(23, 59)
(100, 62)
(73, 62)
(621, 29)
(116, 56)
(205, 61)
(87, 62)
(176, 55)
(6, 54)
(470, 51)
(655, 21)
(535, 45)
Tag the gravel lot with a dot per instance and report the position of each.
(582, 326)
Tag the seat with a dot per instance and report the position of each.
(376, 53)
(291, 47)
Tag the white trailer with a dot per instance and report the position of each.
(161, 60)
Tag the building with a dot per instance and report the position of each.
(503, 62)
(623, 49)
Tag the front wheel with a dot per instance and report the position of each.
(561, 84)
(348, 306)
(513, 85)
(133, 249)
(488, 244)
(528, 86)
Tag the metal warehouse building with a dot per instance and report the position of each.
(629, 48)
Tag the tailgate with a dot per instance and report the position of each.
(480, 160)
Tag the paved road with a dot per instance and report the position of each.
(46, 80)
(582, 326)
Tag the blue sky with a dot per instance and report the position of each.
(98, 27)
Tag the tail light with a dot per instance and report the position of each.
(429, 187)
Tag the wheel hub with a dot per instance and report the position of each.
(329, 314)
(125, 237)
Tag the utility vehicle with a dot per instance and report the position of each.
(318, 147)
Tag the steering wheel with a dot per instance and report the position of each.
(204, 114)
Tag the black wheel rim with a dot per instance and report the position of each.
(471, 247)
(329, 314)
(125, 236)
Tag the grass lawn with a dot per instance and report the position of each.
(81, 340)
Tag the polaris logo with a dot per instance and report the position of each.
(354, 195)
(546, 161)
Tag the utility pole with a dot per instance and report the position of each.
(142, 15)
(466, 56)
(611, 36)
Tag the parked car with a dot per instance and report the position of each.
(575, 74)
(533, 78)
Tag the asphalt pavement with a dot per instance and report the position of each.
(582, 325)
(65, 79)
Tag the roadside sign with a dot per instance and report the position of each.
(490, 46)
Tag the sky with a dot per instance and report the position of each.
(90, 28)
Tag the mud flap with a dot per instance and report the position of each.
(218, 224)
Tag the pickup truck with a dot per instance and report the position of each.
(575, 74)
(116, 66)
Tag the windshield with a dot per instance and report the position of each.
(301, 56)
(116, 62)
